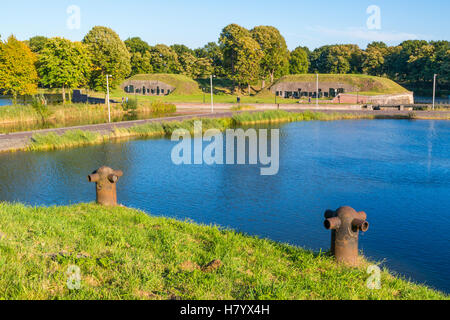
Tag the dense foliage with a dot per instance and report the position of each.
(18, 74)
(243, 56)
(64, 64)
(109, 57)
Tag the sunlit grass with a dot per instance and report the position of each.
(166, 128)
(126, 254)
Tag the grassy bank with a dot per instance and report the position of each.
(26, 117)
(126, 254)
(51, 141)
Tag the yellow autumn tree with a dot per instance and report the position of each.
(18, 75)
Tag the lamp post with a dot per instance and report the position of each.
(317, 93)
(107, 96)
(434, 90)
(212, 94)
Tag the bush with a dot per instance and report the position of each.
(160, 107)
(39, 104)
(131, 104)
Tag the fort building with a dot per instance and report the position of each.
(297, 90)
(342, 88)
(147, 87)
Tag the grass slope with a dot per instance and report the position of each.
(183, 84)
(76, 138)
(126, 254)
(369, 85)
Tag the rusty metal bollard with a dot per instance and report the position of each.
(345, 224)
(106, 179)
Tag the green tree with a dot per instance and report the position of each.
(275, 61)
(299, 63)
(18, 75)
(64, 64)
(213, 53)
(195, 67)
(109, 57)
(37, 43)
(247, 66)
(230, 43)
(374, 59)
(337, 59)
(136, 44)
(400, 66)
(181, 49)
(140, 56)
(141, 63)
(164, 59)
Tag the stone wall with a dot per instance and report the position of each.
(309, 89)
(147, 87)
(78, 97)
(387, 99)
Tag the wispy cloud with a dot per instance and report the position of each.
(365, 34)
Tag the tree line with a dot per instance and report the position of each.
(242, 55)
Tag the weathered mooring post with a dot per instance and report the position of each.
(345, 224)
(106, 179)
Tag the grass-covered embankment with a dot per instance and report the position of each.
(26, 117)
(78, 138)
(126, 254)
(368, 85)
(75, 138)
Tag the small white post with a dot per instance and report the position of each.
(317, 93)
(434, 91)
(107, 97)
(212, 96)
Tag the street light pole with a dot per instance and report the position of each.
(107, 97)
(212, 96)
(434, 91)
(317, 93)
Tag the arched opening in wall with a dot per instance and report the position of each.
(333, 93)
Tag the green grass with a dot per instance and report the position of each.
(241, 108)
(72, 138)
(126, 254)
(369, 85)
(26, 118)
(201, 98)
(275, 116)
(77, 138)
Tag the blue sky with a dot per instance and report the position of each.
(196, 22)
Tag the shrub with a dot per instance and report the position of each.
(39, 105)
(160, 107)
(131, 104)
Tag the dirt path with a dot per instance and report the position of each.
(19, 140)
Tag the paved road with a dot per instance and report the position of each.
(19, 140)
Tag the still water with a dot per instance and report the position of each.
(397, 171)
(5, 102)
